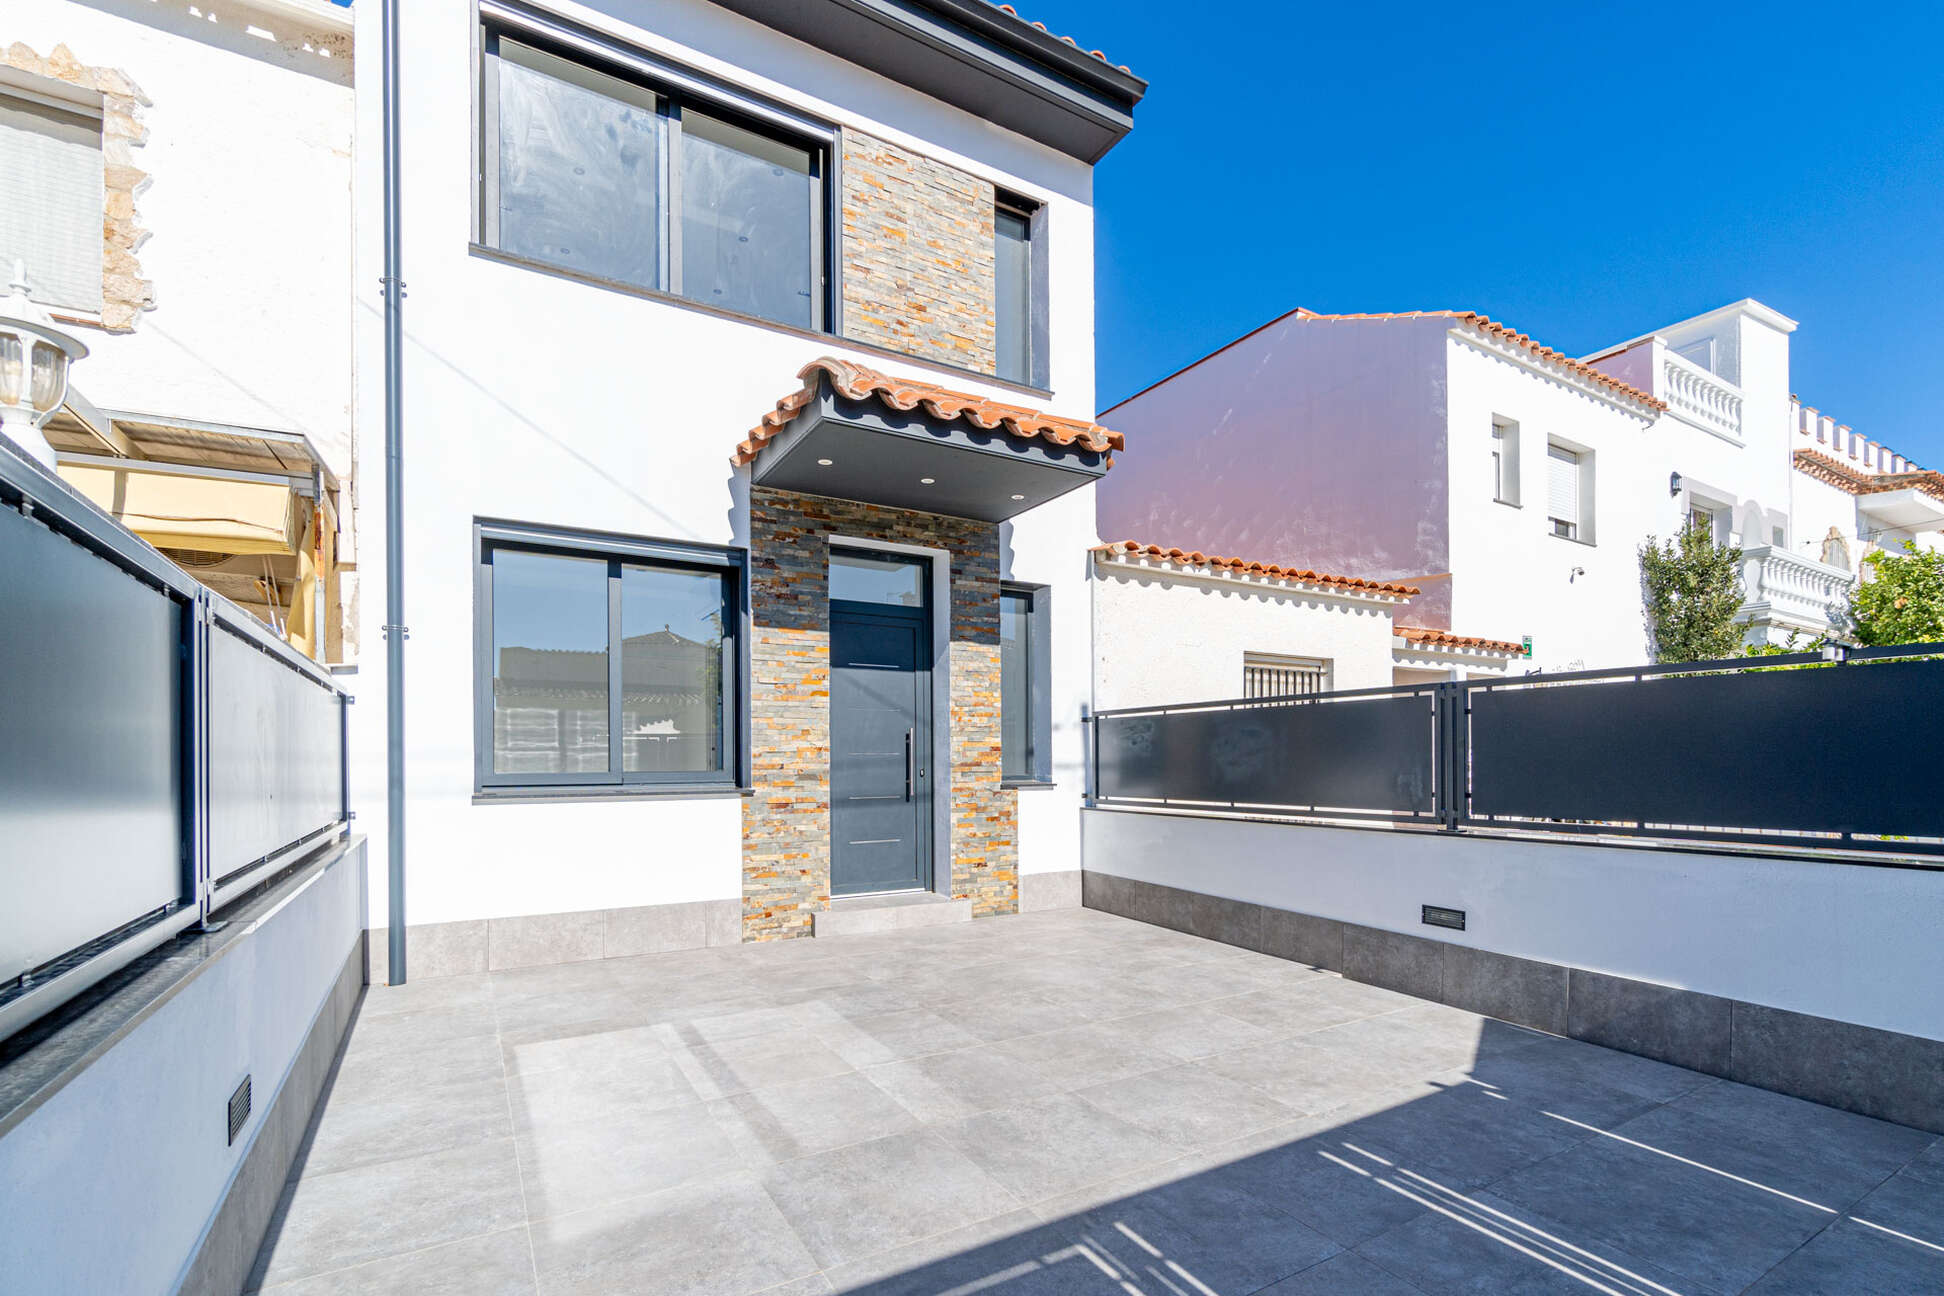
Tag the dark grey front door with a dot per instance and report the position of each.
(880, 748)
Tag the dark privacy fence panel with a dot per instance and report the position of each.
(1855, 748)
(1360, 754)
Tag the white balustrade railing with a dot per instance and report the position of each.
(1700, 396)
(1779, 587)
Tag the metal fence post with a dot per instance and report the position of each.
(1089, 754)
(1448, 702)
(202, 619)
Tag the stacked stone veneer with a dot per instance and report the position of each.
(124, 293)
(917, 252)
(786, 819)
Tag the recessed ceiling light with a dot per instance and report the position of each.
(823, 463)
(1019, 497)
(927, 481)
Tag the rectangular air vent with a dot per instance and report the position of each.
(1439, 916)
(239, 1109)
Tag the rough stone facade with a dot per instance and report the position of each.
(918, 261)
(786, 819)
(124, 293)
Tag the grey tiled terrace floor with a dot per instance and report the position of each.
(1056, 1103)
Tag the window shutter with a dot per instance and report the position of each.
(51, 206)
(1562, 484)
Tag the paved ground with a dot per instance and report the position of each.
(1057, 1103)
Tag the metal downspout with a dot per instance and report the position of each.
(394, 513)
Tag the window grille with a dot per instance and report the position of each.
(1266, 676)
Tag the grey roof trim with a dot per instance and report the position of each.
(974, 56)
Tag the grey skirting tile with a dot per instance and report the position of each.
(1523, 991)
(1685, 1027)
(1409, 965)
(1303, 938)
(1879, 1073)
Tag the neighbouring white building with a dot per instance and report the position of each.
(179, 196)
(1513, 484)
(1181, 626)
(749, 443)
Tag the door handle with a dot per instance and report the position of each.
(910, 762)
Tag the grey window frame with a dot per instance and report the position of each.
(1039, 372)
(732, 563)
(674, 87)
(1039, 687)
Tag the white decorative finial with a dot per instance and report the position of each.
(17, 286)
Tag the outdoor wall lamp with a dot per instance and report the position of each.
(34, 360)
(1575, 574)
(1673, 483)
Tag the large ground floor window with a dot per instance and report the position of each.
(605, 661)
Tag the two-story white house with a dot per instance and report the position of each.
(1512, 484)
(749, 460)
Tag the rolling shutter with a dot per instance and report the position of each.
(51, 205)
(1562, 485)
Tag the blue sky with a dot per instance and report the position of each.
(1584, 178)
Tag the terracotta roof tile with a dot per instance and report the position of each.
(1492, 328)
(856, 382)
(1426, 637)
(1834, 472)
(1245, 567)
(1068, 40)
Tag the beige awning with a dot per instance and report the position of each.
(175, 512)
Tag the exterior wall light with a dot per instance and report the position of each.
(1673, 483)
(34, 360)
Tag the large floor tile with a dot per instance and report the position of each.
(718, 1068)
(572, 1167)
(618, 1085)
(1345, 1274)
(1462, 1137)
(1911, 1201)
(856, 1201)
(495, 1264)
(1084, 1055)
(1327, 1001)
(1307, 1079)
(951, 1086)
(1189, 1106)
(1717, 1234)
(815, 1115)
(336, 1220)
(1480, 1246)
(872, 1039)
(721, 1237)
(1852, 1257)
(1039, 1149)
(1193, 1033)
(407, 1120)
(1326, 1187)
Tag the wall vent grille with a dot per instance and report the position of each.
(239, 1109)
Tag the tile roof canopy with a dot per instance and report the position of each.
(1494, 329)
(853, 381)
(1244, 567)
(1834, 472)
(1426, 637)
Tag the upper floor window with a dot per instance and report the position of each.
(1701, 351)
(51, 205)
(1569, 496)
(1019, 315)
(1505, 461)
(1025, 700)
(618, 176)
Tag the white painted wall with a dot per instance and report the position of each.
(1854, 943)
(109, 1185)
(537, 398)
(1164, 635)
(248, 208)
(1510, 576)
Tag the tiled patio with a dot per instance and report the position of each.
(1059, 1102)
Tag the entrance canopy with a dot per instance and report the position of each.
(852, 433)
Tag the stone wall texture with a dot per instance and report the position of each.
(124, 293)
(786, 819)
(917, 255)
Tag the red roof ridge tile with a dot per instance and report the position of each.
(1445, 639)
(1040, 26)
(1248, 567)
(1834, 472)
(854, 381)
(1492, 328)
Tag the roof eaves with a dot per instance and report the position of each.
(1359, 586)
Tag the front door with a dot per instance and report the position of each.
(880, 725)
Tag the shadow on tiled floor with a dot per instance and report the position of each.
(1056, 1103)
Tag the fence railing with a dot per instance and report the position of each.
(163, 752)
(1797, 751)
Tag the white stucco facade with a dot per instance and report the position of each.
(540, 398)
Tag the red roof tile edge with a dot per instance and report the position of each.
(1493, 328)
(1428, 637)
(1833, 472)
(856, 382)
(1244, 567)
(1066, 40)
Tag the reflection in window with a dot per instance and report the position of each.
(864, 578)
(550, 664)
(1013, 293)
(672, 697)
(1015, 685)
